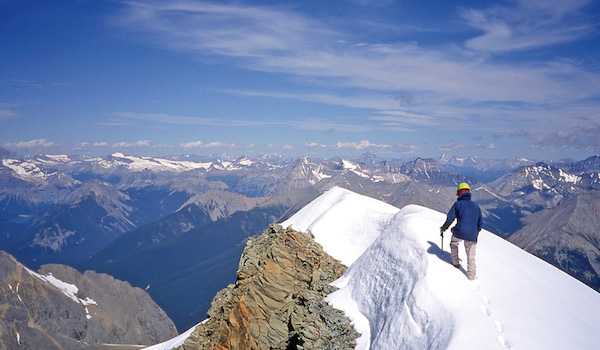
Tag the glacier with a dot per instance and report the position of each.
(401, 291)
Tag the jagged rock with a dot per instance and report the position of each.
(60, 308)
(277, 301)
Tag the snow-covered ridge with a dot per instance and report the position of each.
(401, 291)
(24, 169)
(135, 163)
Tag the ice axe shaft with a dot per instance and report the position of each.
(442, 246)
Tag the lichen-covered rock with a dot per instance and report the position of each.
(277, 300)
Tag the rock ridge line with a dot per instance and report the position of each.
(277, 301)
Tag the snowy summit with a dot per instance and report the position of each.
(401, 291)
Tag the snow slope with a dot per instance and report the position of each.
(401, 291)
(173, 343)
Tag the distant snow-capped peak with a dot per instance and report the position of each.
(136, 163)
(26, 169)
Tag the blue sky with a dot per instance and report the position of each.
(493, 79)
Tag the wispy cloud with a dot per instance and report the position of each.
(408, 77)
(451, 146)
(141, 143)
(187, 120)
(27, 83)
(362, 145)
(579, 138)
(204, 145)
(5, 113)
(314, 145)
(307, 123)
(222, 29)
(30, 144)
(8, 110)
(526, 24)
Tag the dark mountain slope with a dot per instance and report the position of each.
(77, 227)
(210, 250)
(567, 237)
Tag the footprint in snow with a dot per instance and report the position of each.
(504, 342)
(488, 312)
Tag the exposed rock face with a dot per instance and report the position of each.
(567, 237)
(221, 204)
(60, 308)
(277, 301)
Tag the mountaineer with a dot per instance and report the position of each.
(468, 224)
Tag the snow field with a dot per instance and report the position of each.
(353, 222)
(401, 291)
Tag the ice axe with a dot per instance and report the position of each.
(442, 246)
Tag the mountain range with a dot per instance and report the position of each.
(166, 225)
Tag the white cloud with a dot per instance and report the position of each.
(219, 145)
(141, 143)
(363, 144)
(314, 145)
(202, 145)
(30, 144)
(192, 144)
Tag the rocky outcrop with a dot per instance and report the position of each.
(277, 301)
(60, 308)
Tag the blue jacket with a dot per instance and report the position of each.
(468, 216)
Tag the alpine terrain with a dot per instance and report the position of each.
(176, 227)
(400, 290)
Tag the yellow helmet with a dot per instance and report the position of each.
(463, 186)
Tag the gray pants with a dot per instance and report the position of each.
(470, 248)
